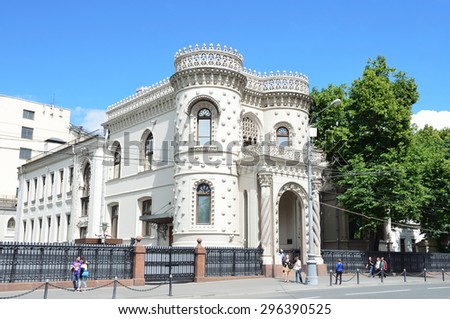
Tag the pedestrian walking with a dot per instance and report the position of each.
(75, 268)
(339, 270)
(84, 273)
(287, 267)
(383, 266)
(378, 267)
(298, 270)
(282, 256)
(370, 267)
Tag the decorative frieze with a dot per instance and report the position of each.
(285, 82)
(210, 77)
(217, 57)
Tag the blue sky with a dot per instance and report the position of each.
(87, 55)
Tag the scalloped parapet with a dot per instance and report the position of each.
(279, 81)
(208, 56)
(142, 96)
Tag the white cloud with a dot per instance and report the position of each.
(436, 119)
(93, 119)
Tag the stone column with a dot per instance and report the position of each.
(139, 263)
(316, 225)
(199, 262)
(266, 224)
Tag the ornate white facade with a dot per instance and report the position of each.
(61, 193)
(217, 152)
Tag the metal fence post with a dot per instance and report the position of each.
(46, 289)
(114, 288)
(331, 278)
(443, 275)
(425, 274)
(170, 271)
(404, 275)
(357, 276)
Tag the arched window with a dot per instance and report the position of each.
(203, 204)
(117, 161)
(146, 211)
(11, 224)
(249, 132)
(282, 136)
(86, 190)
(148, 152)
(204, 127)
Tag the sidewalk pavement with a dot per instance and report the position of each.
(238, 288)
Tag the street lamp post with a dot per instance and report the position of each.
(311, 278)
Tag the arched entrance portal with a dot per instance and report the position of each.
(291, 224)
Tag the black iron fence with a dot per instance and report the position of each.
(223, 261)
(29, 262)
(163, 262)
(38, 262)
(397, 261)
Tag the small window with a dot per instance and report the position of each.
(25, 153)
(204, 127)
(70, 177)
(114, 220)
(11, 224)
(282, 136)
(117, 161)
(148, 152)
(28, 114)
(146, 210)
(203, 204)
(27, 132)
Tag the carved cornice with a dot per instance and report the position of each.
(144, 96)
(142, 113)
(209, 76)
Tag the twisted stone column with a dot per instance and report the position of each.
(266, 220)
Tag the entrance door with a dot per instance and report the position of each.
(290, 223)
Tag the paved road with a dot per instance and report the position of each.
(261, 288)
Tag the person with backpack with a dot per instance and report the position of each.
(339, 270)
(287, 267)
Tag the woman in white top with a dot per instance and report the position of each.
(298, 270)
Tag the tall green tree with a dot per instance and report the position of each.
(430, 156)
(374, 136)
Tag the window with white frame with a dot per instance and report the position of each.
(146, 211)
(203, 204)
(148, 152)
(117, 161)
(204, 127)
(282, 136)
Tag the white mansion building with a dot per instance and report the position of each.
(215, 152)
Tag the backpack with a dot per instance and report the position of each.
(290, 265)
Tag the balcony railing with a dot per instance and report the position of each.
(276, 153)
